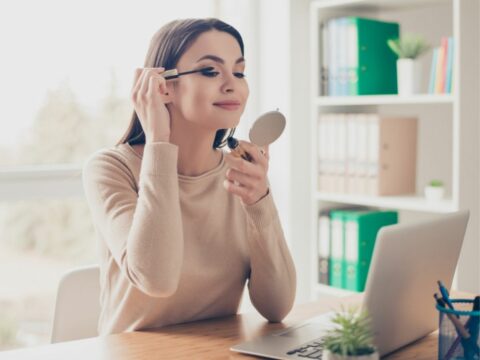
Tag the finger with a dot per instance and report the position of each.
(265, 152)
(148, 73)
(243, 179)
(244, 166)
(141, 72)
(157, 70)
(145, 79)
(254, 151)
(152, 81)
(137, 83)
(235, 189)
(262, 151)
(157, 83)
(136, 76)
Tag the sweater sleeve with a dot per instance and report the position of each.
(272, 283)
(142, 231)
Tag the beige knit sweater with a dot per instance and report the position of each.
(177, 248)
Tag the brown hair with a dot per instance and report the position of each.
(166, 47)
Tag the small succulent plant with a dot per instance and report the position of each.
(352, 335)
(409, 46)
(436, 183)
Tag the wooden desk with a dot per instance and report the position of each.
(209, 339)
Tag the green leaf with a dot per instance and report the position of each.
(410, 46)
(352, 334)
(436, 183)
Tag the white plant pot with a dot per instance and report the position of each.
(434, 192)
(327, 355)
(408, 76)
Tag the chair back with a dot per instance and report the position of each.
(77, 306)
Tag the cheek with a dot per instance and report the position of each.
(195, 100)
(245, 91)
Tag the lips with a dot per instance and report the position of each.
(228, 105)
(229, 102)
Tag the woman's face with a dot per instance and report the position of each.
(196, 96)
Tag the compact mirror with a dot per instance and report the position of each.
(267, 128)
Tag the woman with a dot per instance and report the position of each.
(181, 223)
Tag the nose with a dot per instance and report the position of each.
(228, 85)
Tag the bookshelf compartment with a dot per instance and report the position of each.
(411, 18)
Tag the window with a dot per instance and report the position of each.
(66, 71)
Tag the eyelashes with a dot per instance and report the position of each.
(211, 73)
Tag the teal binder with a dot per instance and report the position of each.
(372, 65)
(360, 232)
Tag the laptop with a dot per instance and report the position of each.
(408, 260)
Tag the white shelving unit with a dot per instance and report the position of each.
(448, 123)
(375, 100)
(413, 203)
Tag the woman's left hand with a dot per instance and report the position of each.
(248, 180)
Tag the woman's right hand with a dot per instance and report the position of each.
(149, 95)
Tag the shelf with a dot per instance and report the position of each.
(321, 289)
(347, 5)
(413, 203)
(384, 100)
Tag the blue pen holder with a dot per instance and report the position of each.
(451, 346)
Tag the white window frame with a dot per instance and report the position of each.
(40, 182)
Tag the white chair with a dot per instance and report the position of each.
(77, 306)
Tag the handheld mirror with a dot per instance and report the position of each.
(267, 128)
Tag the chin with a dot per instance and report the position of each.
(225, 122)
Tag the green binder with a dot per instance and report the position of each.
(371, 64)
(360, 233)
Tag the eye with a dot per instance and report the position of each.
(212, 73)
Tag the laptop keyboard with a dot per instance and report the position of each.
(311, 350)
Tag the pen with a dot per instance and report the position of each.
(468, 342)
(445, 295)
(455, 321)
(457, 341)
(473, 323)
(454, 346)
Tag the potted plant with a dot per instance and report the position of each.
(351, 338)
(408, 48)
(434, 190)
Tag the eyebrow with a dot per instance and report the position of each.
(220, 60)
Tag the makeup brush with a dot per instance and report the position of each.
(174, 74)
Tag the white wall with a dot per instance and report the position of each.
(282, 56)
(299, 145)
(281, 61)
(264, 26)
